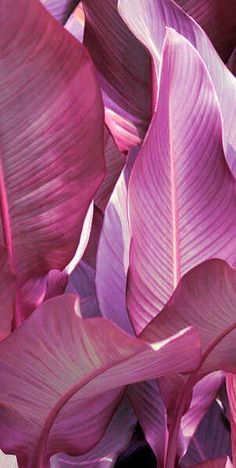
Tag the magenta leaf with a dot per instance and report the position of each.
(148, 21)
(113, 253)
(211, 441)
(60, 9)
(114, 441)
(204, 392)
(181, 194)
(231, 390)
(205, 299)
(124, 71)
(68, 372)
(52, 143)
(115, 162)
(146, 400)
(217, 19)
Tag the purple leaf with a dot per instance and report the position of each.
(113, 253)
(68, 372)
(114, 441)
(218, 20)
(181, 194)
(124, 72)
(148, 21)
(60, 9)
(212, 440)
(231, 390)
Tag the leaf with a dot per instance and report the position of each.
(114, 441)
(181, 194)
(123, 69)
(231, 391)
(148, 21)
(204, 392)
(149, 408)
(217, 20)
(115, 162)
(113, 253)
(212, 441)
(7, 461)
(76, 23)
(68, 372)
(232, 62)
(51, 143)
(217, 463)
(60, 9)
(205, 299)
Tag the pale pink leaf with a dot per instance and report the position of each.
(182, 196)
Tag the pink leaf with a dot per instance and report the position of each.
(76, 23)
(232, 62)
(57, 374)
(149, 408)
(218, 20)
(148, 21)
(52, 142)
(181, 193)
(114, 441)
(206, 300)
(204, 392)
(113, 253)
(211, 441)
(60, 9)
(231, 390)
(115, 162)
(124, 71)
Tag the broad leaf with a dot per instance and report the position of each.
(57, 375)
(51, 143)
(217, 18)
(124, 68)
(182, 197)
(114, 441)
(206, 300)
(211, 441)
(113, 253)
(148, 21)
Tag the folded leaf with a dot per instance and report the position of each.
(76, 23)
(113, 253)
(114, 441)
(206, 300)
(124, 68)
(231, 390)
(204, 392)
(231, 64)
(51, 142)
(217, 19)
(60, 9)
(115, 162)
(57, 374)
(212, 441)
(181, 194)
(148, 21)
(149, 408)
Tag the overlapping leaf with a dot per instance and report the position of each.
(181, 194)
(148, 21)
(51, 142)
(56, 375)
